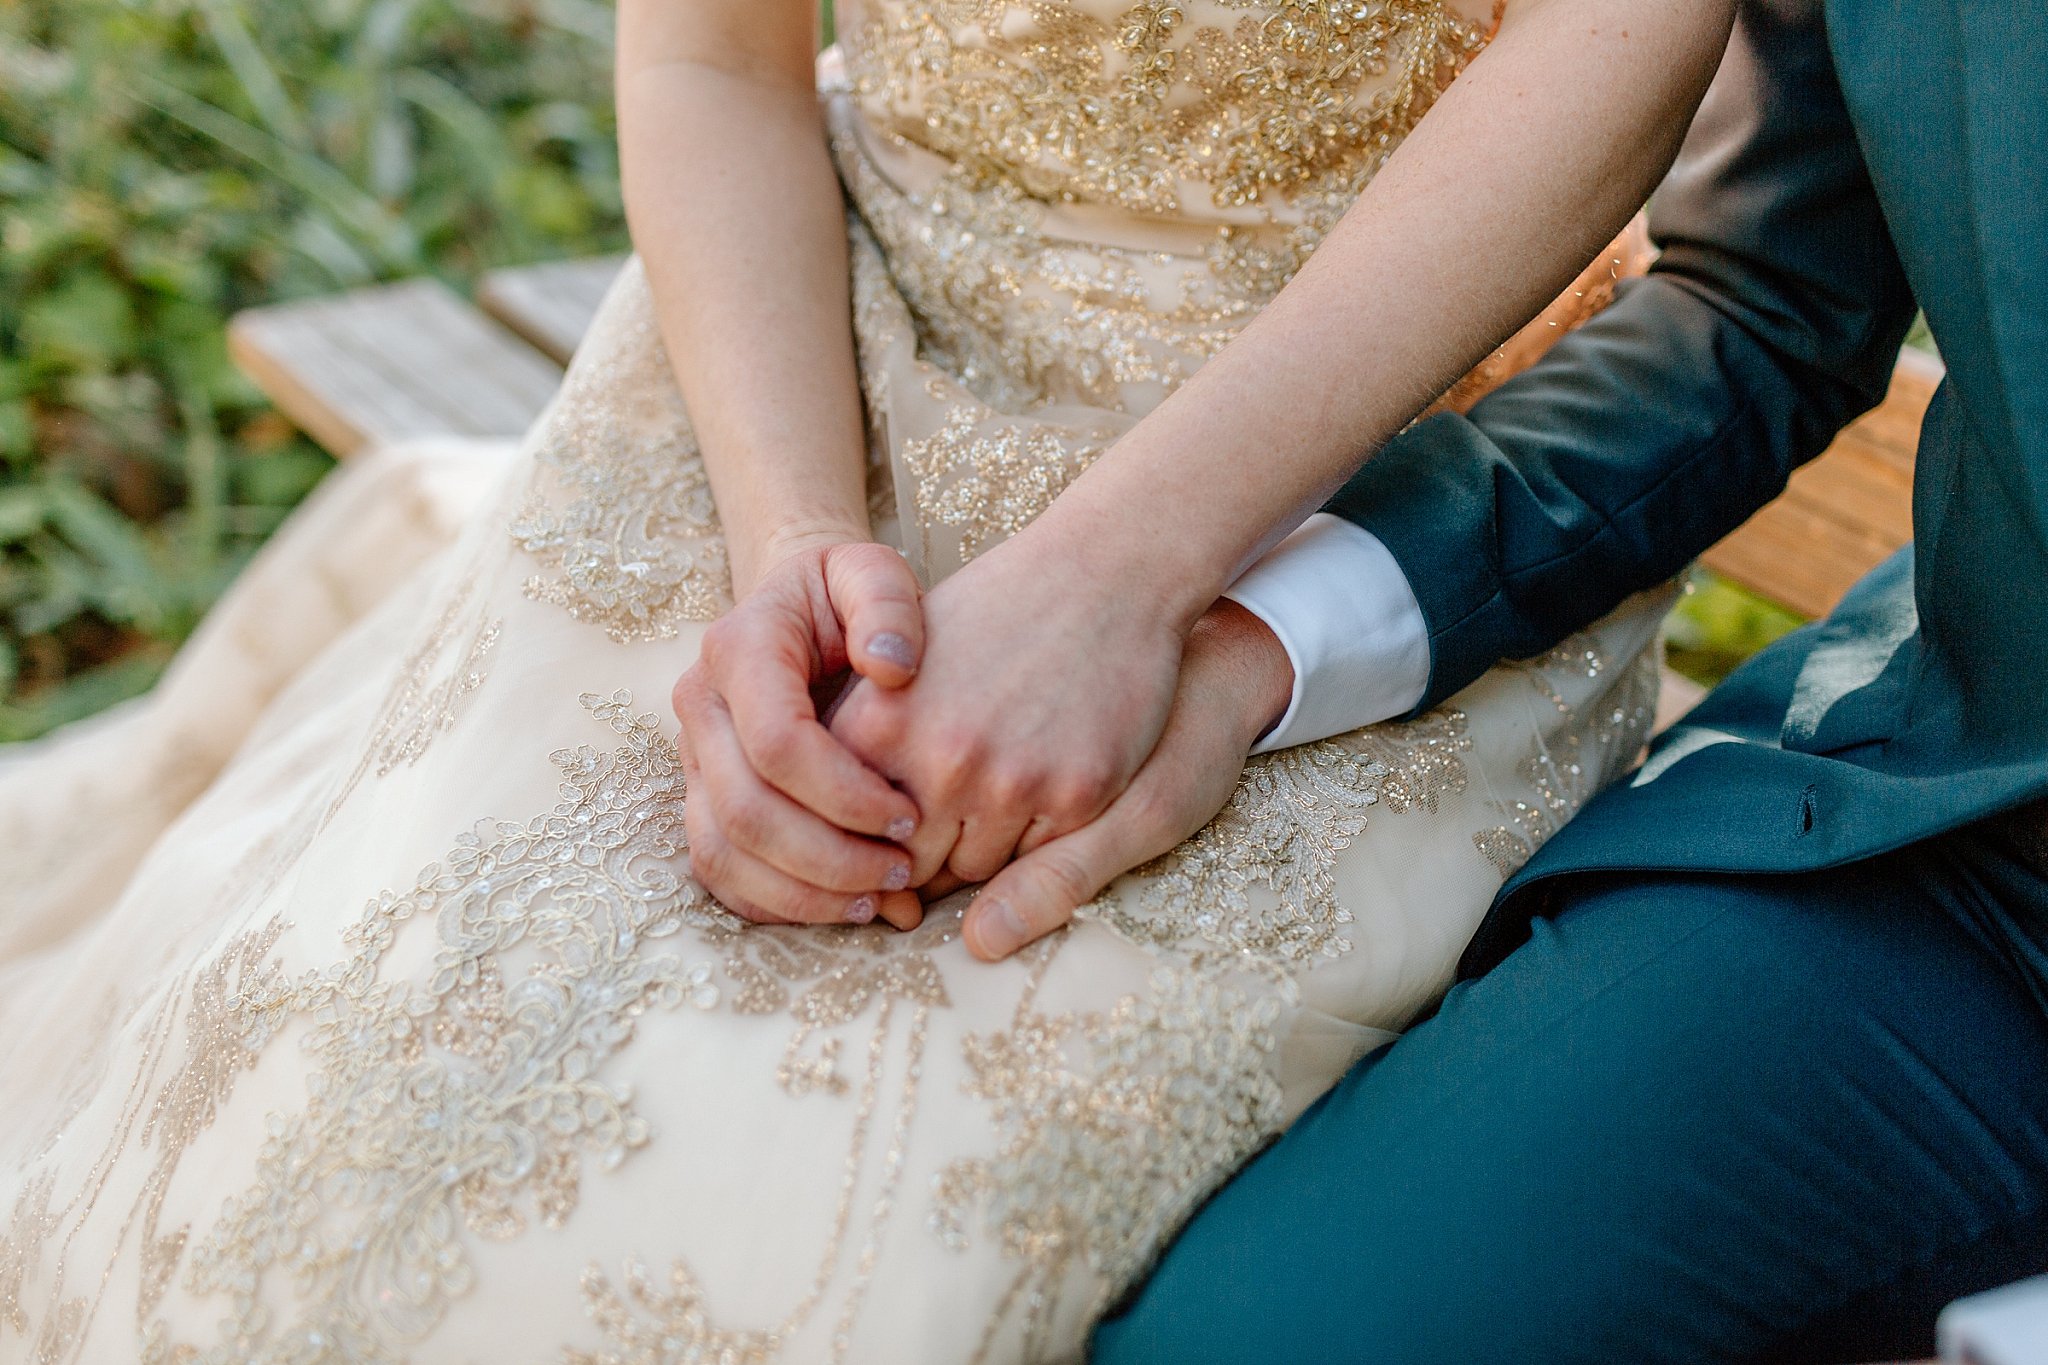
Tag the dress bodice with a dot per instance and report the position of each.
(1216, 111)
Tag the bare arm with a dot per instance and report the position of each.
(1054, 658)
(736, 212)
(1531, 161)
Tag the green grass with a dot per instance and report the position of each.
(164, 163)
(1717, 625)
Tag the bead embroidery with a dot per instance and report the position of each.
(1115, 1125)
(1127, 111)
(478, 1097)
(1585, 756)
(469, 1103)
(633, 538)
(1293, 814)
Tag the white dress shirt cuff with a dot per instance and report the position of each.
(2006, 1326)
(1346, 615)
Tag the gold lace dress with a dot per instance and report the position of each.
(357, 1000)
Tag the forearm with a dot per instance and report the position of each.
(1773, 317)
(1500, 195)
(737, 214)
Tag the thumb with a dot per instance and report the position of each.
(875, 596)
(1040, 891)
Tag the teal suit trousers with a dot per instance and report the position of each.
(1694, 1118)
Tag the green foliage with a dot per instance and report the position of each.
(1719, 624)
(164, 163)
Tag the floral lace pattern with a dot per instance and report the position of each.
(1566, 777)
(630, 534)
(511, 1047)
(1294, 812)
(467, 1104)
(1116, 1124)
(1077, 105)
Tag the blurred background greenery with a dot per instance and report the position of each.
(166, 162)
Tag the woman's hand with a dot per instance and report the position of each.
(1234, 683)
(1046, 681)
(776, 805)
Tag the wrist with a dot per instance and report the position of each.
(1150, 578)
(789, 539)
(1256, 661)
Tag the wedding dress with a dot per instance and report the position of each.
(357, 1000)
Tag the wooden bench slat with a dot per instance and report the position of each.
(1860, 486)
(551, 305)
(468, 372)
(437, 347)
(392, 362)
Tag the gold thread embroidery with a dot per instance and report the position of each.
(1115, 1125)
(1296, 94)
(1564, 779)
(989, 481)
(472, 1102)
(632, 538)
(421, 705)
(1293, 814)
(675, 1327)
(21, 1249)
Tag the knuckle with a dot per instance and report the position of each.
(1018, 788)
(745, 820)
(774, 750)
(1067, 876)
(1103, 778)
(717, 638)
(1149, 812)
(880, 568)
(969, 868)
(856, 724)
(710, 863)
(1081, 792)
(690, 693)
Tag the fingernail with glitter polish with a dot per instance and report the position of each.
(901, 828)
(898, 878)
(892, 648)
(861, 911)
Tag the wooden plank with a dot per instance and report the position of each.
(391, 363)
(1842, 514)
(1798, 558)
(1860, 485)
(551, 305)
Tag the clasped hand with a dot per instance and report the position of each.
(1032, 723)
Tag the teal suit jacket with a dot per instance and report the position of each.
(1853, 159)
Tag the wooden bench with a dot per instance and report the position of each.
(415, 359)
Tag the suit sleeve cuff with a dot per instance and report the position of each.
(1345, 613)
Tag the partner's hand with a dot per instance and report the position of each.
(1234, 684)
(1046, 681)
(776, 806)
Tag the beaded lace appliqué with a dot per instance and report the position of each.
(629, 534)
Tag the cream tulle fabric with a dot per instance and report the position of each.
(358, 1002)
